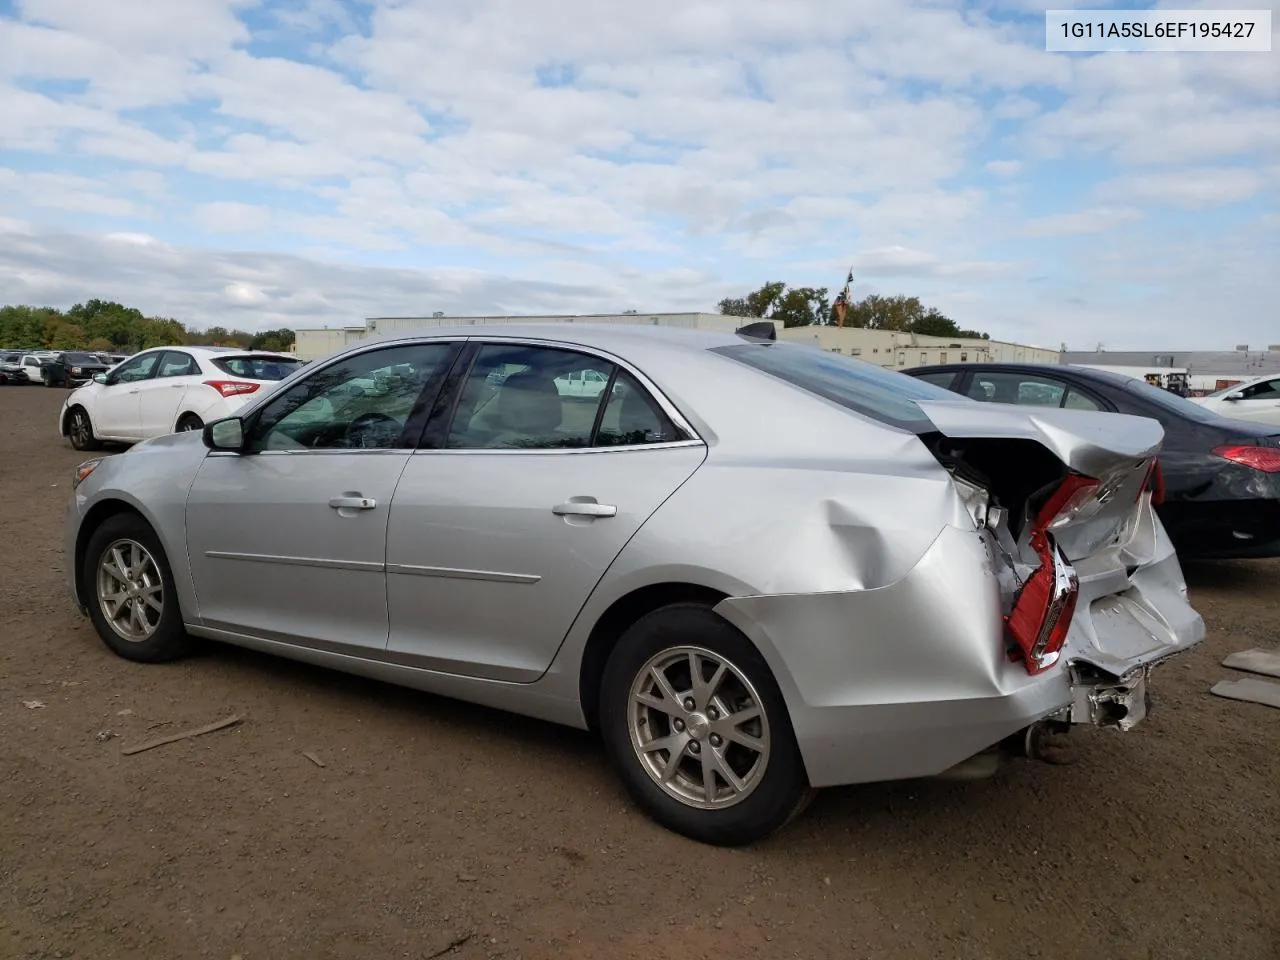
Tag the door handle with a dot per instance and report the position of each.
(584, 508)
(353, 503)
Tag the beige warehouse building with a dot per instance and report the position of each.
(885, 348)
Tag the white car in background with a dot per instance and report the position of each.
(1257, 400)
(166, 390)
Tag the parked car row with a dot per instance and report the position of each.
(54, 368)
(755, 568)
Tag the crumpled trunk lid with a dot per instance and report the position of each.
(999, 441)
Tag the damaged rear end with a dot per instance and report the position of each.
(1089, 582)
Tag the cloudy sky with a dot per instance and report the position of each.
(258, 163)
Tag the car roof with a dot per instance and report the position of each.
(210, 352)
(602, 336)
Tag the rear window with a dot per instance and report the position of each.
(76, 358)
(884, 395)
(257, 368)
(1179, 406)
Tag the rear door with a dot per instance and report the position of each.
(159, 397)
(519, 501)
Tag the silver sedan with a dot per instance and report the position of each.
(755, 568)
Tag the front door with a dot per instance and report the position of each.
(499, 535)
(288, 540)
(116, 405)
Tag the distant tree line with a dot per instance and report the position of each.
(103, 325)
(808, 306)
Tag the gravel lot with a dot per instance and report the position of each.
(440, 829)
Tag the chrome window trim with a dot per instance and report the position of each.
(526, 451)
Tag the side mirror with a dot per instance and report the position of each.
(225, 434)
(1233, 397)
(100, 378)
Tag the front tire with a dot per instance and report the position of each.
(696, 726)
(132, 600)
(80, 430)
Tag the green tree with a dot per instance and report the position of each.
(281, 340)
(794, 307)
(756, 304)
(107, 326)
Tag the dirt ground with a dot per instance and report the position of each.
(439, 829)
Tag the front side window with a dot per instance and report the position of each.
(362, 402)
(519, 397)
(1266, 390)
(141, 367)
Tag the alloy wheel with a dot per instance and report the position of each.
(698, 727)
(130, 590)
(80, 429)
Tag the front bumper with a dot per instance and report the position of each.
(911, 679)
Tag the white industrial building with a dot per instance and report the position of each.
(884, 348)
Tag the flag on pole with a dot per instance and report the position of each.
(842, 300)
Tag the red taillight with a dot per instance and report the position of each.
(1153, 481)
(1042, 611)
(232, 388)
(1266, 459)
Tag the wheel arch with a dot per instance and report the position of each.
(65, 424)
(186, 415)
(97, 515)
(620, 615)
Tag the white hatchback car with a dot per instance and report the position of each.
(168, 389)
(1257, 400)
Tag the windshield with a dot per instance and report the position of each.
(1170, 401)
(257, 368)
(79, 358)
(883, 395)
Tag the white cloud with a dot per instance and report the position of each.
(1191, 189)
(605, 155)
(1094, 220)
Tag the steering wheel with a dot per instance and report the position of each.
(360, 434)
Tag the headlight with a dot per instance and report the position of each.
(83, 471)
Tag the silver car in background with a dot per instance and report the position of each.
(756, 568)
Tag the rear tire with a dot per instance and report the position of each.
(675, 742)
(188, 422)
(80, 430)
(131, 597)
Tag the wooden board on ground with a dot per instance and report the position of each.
(1258, 660)
(1250, 689)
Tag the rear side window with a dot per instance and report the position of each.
(257, 368)
(883, 395)
(945, 379)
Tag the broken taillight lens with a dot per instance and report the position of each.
(1154, 481)
(1042, 611)
(232, 388)
(1266, 459)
